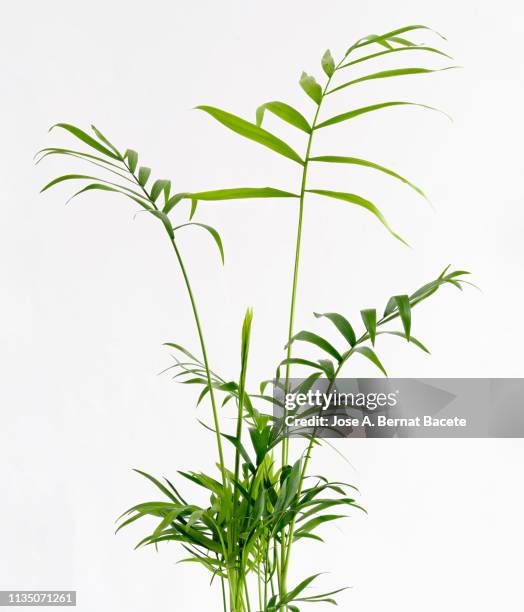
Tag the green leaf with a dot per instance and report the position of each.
(369, 109)
(298, 589)
(368, 40)
(84, 137)
(215, 235)
(194, 203)
(371, 355)
(396, 50)
(158, 186)
(158, 484)
(359, 201)
(342, 324)
(385, 74)
(132, 159)
(369, 316)
(305, 336)
(328, 63)
(143, 175)
(311, 87)
(335, 159)
(101, 137)
(412, 339)
(252, 132)
(166, 222)
(319, 520)
(241, 193)
(173, 201)
(286, 113)
(404, 309)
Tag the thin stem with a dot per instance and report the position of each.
(286, 542)
(199, 330)
(204, 358)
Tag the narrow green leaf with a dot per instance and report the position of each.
(173, 201)
(165, 221)
(157, 188)
(298, 589)
(194, 204)
(359, 201)
(396, 50)
(158, 484)
(84, 137)
(286, 113)
(143, 175)
(335, 159)
(394, 33)
(252, 132)
(328, 63)
(369, 109)
(369, 316)
(371, 355)
(319, 520)
(241, 193)
(342, 324)
(132, 159)
(385, 74)
(215, 235)
(412, 339)
(99, 135)
(300, 361)
(404, 309)
(305, 336)
(311, 87)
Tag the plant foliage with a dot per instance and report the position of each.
(259, 507)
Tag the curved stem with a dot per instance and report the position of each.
(204, 358)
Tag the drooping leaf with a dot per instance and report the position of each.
(404, 309)
(132, 159)
(386, 74)
(311, 87)
(215, 235)
(342, 324)
(286, 113)
(328, 63)
(86, 138)
(173, 201)
(369, 316)
(143, 175)
(412, 339)
(252, 132)
(336, 159)
(165, 221)
(157, 188)
(322, 343)
(359, 201)
(371, 355)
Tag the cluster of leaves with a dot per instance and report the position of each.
(132, 180)
(238, 532)
(398, 306)
(390, 43)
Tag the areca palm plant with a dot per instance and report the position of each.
(262, 502)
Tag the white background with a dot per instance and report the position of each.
(89, 294)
